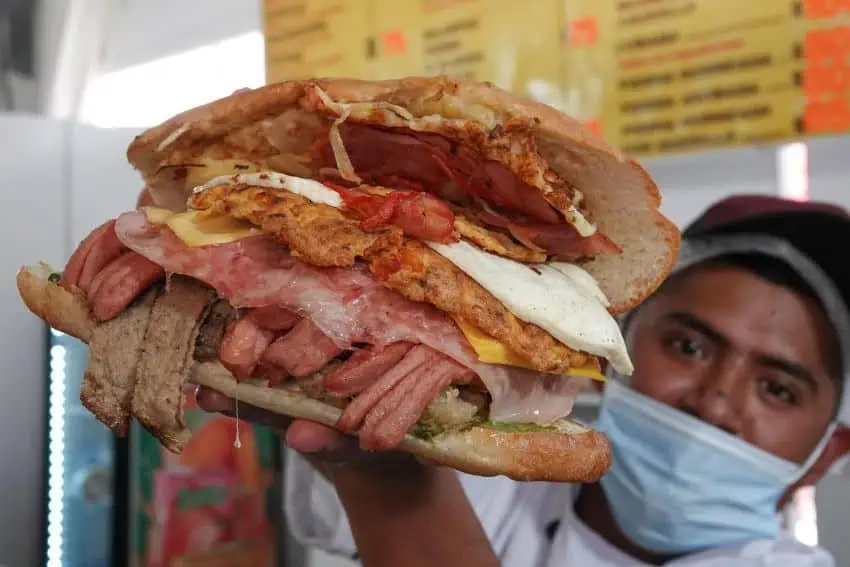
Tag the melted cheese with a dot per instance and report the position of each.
(493, 351)
(201, 170)
(201, 228)
(560, 298)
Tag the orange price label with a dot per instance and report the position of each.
(583, 32)
(822, 9)
(827, 116)
(827, 73)
(595, 126)
(828, 43)
(393, 42)
(820, 80)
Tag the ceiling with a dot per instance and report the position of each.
(17, 19)
(144, 30)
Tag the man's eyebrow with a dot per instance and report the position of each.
(793, 369)
(697, 324)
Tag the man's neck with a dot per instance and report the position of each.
(591, 507)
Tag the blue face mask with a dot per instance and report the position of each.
(680, 485)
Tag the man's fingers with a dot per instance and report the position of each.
(213, 402)
(309, 437)
(216, 402)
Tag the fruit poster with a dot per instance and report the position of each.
(212, 506)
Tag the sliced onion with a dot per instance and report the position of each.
(289, 164)
(343, 162)
(172, 137)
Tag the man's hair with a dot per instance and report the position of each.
(777, 272)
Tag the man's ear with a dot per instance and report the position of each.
(837, 446)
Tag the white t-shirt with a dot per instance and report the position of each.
(528, 524)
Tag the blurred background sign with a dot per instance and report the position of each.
(655, 77)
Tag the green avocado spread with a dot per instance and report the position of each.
(427, 431)
(518, 427)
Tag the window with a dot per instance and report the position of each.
(147, 94)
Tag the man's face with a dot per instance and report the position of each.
(741, 353)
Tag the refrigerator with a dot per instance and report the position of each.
(128, 502)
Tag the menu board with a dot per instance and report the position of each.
(666, 76)
(652, 76)
(515, 45)
(310, 38)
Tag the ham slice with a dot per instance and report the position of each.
(431, 159)
(347, 305)
(560, 240)
(404, 159)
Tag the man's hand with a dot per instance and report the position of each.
(145, 199)
(401, 511)
(327, 449)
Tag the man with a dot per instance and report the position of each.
(737, 399)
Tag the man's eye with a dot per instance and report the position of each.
(687, 347)
(779, 391)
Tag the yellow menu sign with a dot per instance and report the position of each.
(516, 45)
(653, 76)
(309, 38)
(666, 76)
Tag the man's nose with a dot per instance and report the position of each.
(718, 397)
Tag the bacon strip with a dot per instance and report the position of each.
(74, 268)
(243, 346)
(419, 215)
(386, 405)
(119, 283)
(394, 415)
(356, 411)
(364, 367)
(274, 318)
(106, 248)
(303, 350)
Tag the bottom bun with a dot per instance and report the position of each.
(563, 452)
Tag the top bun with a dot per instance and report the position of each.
(620, 196)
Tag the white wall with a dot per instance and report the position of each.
(143, 30)
(32, 201)
(829, 171)
(103, 184)
(690, 183)
(50, 198)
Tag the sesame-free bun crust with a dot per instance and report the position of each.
(622, 198)
(572, 454)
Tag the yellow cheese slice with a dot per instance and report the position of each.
(492, 351)
(202, 170)
(201, 228)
